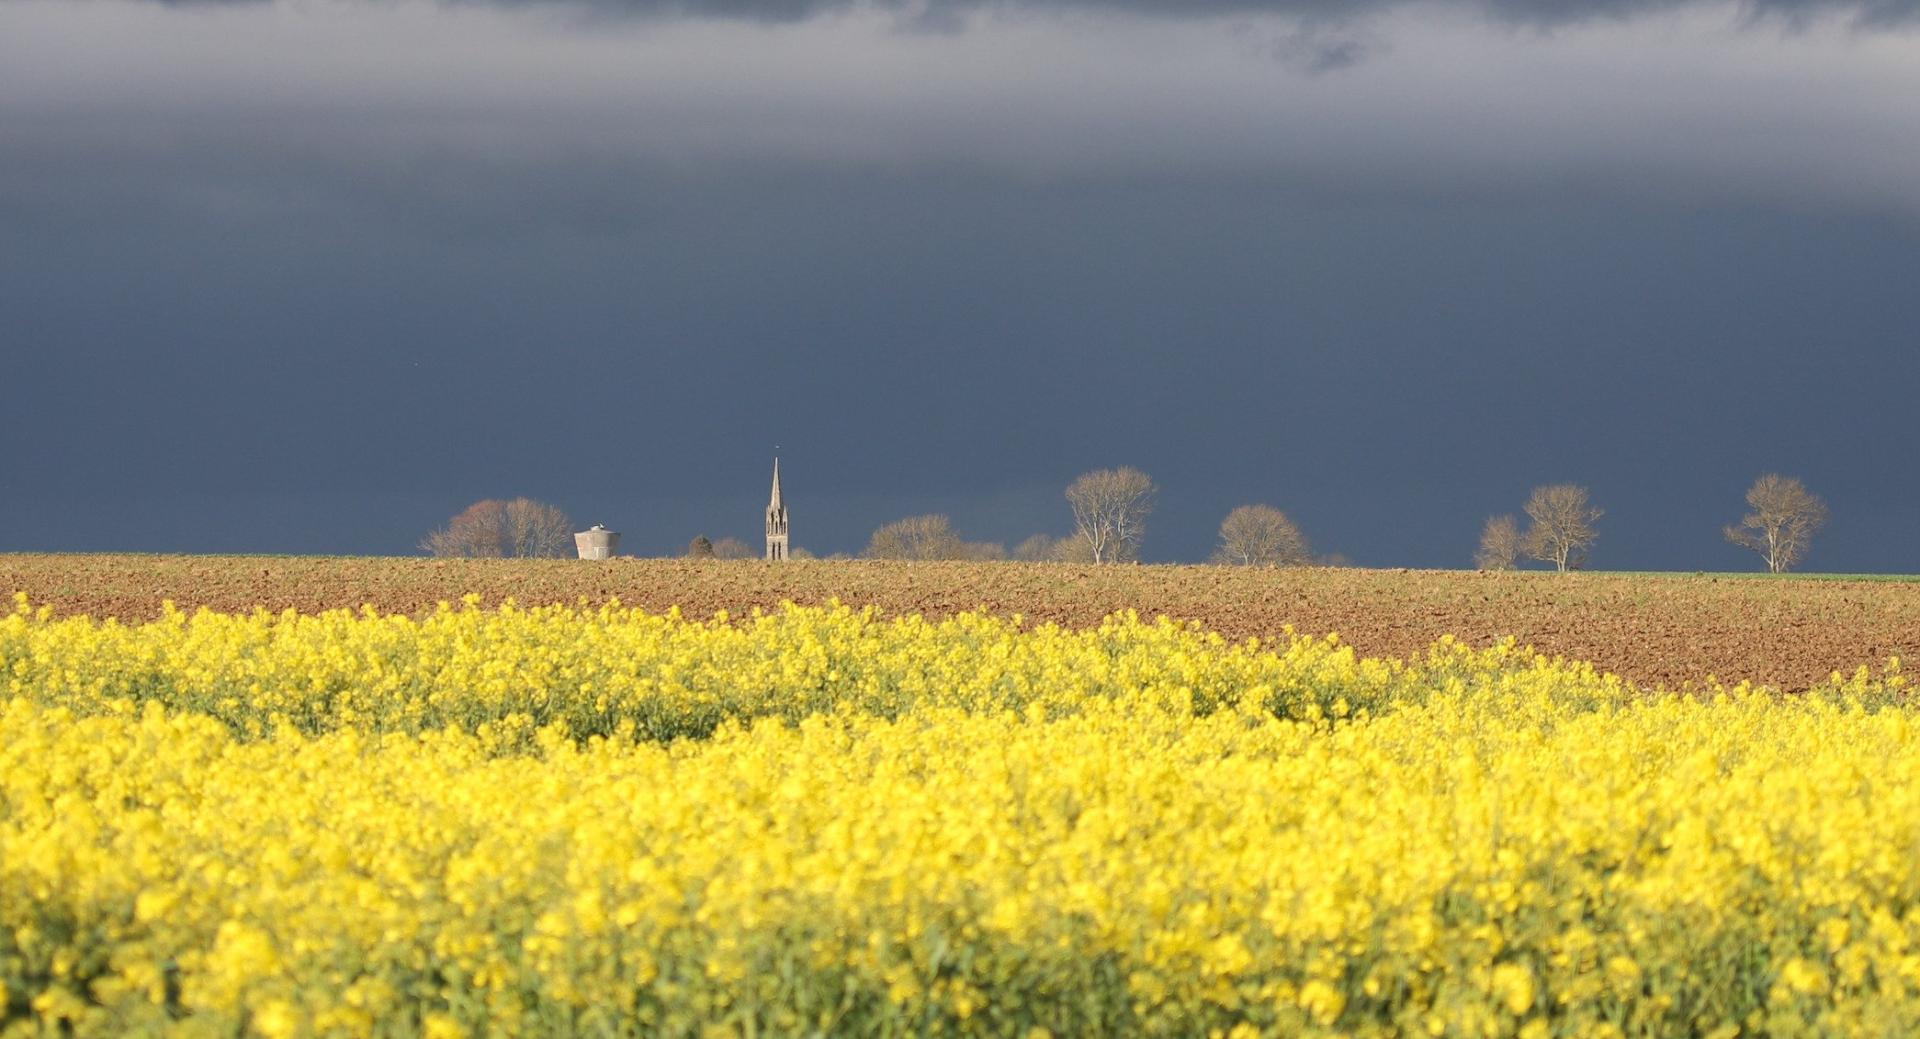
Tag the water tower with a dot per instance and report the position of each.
(597, 543)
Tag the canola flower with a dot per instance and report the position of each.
(826, 822)
(614, 670)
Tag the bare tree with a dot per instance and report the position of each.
(733, 548)
(440, 544)
(701, 547)
(916, 537)
(1562, 529)
(1500, 544)
(493, 529)
(1040, 548)
(536, 530)
(984, 551)
(1110, 509)
(478, 532)
(1261, 535)
(1073, 549)
(1784, 519)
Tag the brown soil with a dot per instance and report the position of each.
(1664, 629)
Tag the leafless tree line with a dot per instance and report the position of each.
(1780, 527)
(928, 537)
(1110, 508)
(725, 548)
(1560, 531)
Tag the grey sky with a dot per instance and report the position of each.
(309, 276)
(1699, 99)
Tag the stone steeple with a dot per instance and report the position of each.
(776, 521)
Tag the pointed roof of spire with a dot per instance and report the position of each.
(775, 502)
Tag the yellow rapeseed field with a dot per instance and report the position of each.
(574, 821)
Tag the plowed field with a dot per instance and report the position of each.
(1666, 629)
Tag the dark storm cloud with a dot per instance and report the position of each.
(339, 375)
(954, 13)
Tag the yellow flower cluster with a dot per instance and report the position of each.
(953, 828)
(616, 671)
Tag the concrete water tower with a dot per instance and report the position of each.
(597, 543)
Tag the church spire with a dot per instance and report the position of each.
(776, 520)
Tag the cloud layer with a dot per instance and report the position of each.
(955, 13)
(1691, 104)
